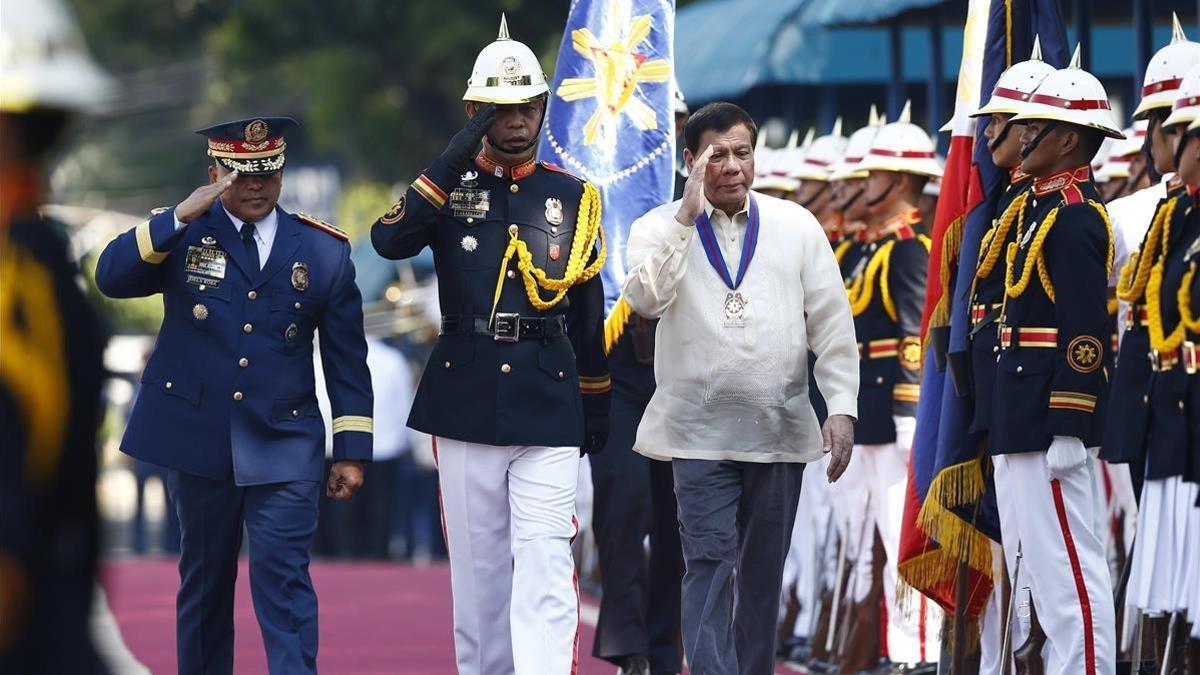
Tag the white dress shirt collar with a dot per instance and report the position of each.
(264, 230)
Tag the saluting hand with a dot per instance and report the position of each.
(461, 150)
(345, 477)
(693, 190)
(201, 200)
(838, 439)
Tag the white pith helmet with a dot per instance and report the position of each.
(902, 147)
(1015, 86)
(846, 167)
(1187, 101)
(1165, 71)
(506, 72)
(821, 155)
(1071, 95)
(770, 170)
(44, 63)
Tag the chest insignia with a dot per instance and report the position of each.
(469, 244)
(554, 211)
(205, 265)
(300, 276)
(469, 203)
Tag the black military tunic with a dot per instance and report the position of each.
(51, 375)
(987, 294)
(1188, 306)
(1167, 418)
(1050, 377)
(887, 297)
(516, 379)
(1125, 429)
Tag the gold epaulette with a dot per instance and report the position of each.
(323, 226)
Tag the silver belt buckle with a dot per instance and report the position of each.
(507, 327)
(1155, 362)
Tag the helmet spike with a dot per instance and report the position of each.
(1176, 29)
(793, 139)
(808, 137)
(906, 113)
(873, 117)
(1037, 49)
(503, 28)
(837, 127)
(1076, 58)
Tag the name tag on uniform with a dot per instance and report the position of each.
(205, 265)
(467, 203)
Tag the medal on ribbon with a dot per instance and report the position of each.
(734, 304)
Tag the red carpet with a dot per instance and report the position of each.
(375, 618)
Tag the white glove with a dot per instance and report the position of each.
(906, 428)
(1066, 454)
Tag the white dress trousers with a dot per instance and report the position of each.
(1062, 561)
(509, 518)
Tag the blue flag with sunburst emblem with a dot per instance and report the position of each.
(610, 118)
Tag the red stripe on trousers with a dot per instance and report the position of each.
(1085, 605)
(578, 609)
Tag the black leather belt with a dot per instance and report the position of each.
(506, 327)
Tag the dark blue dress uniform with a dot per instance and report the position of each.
(1188, 306)
(987, 295)
(51, 374)
(528, 377)
(1125, 430)
(1050, 377)
(1170, 358)
(228, 401)
(887, 298)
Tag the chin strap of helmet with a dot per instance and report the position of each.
(879, 200)
(850, 200)
(816, 195)
(533, 141)
(1028, 148)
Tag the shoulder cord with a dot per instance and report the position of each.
(1131, 285)
(587, 232)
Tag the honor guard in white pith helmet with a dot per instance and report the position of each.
(1074, 96)
(517, 385)
(1165, 71)
(1015, 85)
(44, 63)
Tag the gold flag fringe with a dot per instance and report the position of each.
(951, 247)
(614, 325)
(955, 486)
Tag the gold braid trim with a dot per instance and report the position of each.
(862, 289)
(993, 241)
(587, 232)
(1184, 296)
(1160, 340)
(1132, 285)
(1037, 259)
(840, 251)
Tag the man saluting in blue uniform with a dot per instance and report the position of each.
(228, 401)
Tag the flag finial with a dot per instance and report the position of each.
(837, 127)
(793, 139)
(1076, 58)
(873, 117)
(906, 113)
(1037, 49)
(1176, 29)
(808, 137)
(503, 28)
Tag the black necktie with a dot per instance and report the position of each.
(251, 245)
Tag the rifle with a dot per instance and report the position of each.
(1029, 655)
(1006, 641)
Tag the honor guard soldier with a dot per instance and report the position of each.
(887, 297)
(1050, 376)
(1188, 307)
(813, 173)
(1159, 572)
(51, 358)
(228, 402)
(517, 385)
(1012, 92)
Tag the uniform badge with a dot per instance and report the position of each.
(511, 68)
(292, 331)
(256, 131)
(555, 251)
(300, 276)
(200, 312)
(205, 265)
(467, 203)
(470, 179)
(1083, 354)
(910, 353)
(554, 211)
(395, 213)
(209, 240)
(735, 309)
(469, 244)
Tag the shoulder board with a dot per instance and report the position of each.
(559, 169)
(159, 211)
(316, 222)
(1072, 195)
